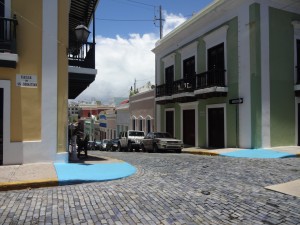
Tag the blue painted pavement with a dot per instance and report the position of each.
(258, 153)
(71, 173)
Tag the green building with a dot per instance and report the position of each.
(233, 51)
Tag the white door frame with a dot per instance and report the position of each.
(189, 106)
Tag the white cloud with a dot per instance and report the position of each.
(172, 21)
(119, 61)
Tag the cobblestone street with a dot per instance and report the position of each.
(167, 189)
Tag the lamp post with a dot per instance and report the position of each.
(82, 33)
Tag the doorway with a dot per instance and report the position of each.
(170, 122)
(298, 108)
(216, 131)
(189, 127)
(169, 78)
(1, 124)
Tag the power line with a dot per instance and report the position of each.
(125, 20)
(141, 3)
(135, 4)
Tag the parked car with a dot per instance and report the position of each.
(98, 145)
(130, 140)
(103, 144)
(156, 141)
(112, 145)
(91, 145)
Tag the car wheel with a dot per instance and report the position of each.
(143, 148)
(119, 149)
(155, 148)
(129, 147)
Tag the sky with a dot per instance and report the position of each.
(126, 32)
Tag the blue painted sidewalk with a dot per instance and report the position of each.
(71, 173)
(258, 154)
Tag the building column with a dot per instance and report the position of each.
(49, 76)
(265, 75)
(244, 78)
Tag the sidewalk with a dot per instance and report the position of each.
(278, 152)
(98, 169)
(93, 169)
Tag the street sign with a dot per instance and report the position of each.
(235, 101)
(26, 80)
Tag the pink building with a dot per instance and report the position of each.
(141, 111)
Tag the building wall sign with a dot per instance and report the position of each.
(102, 125)
(27, 81)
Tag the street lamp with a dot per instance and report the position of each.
(82, 33)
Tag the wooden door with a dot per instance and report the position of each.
(216, 128)
(189, 127)
(170, 122)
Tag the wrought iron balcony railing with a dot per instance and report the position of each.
(186, 84)
(210, 79)
(207, 79)
(83, 56)
(8, 35)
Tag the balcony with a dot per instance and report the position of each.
(81, 68)
(81, 54)
(8, 44)
(183, 89)
(200, 86)
(211, 84)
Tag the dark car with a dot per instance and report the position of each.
(159, 141)
(91, 145)
(112, 145)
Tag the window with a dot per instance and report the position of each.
(148, 126)
(169, 74)
(216, 66)
(215, 57)
(141, 124)
(133, 123)
(189, 67)
(216, 42)
(169, 78)
(189, 57)
(169, 62)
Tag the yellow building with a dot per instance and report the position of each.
(42, 65)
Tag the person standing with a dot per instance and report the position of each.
(74, 130)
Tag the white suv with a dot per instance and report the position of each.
(131, 139)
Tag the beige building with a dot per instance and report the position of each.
(42, 65)
(122, 117)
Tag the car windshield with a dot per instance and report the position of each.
(162, 135)
(136, 133)
(105, 141)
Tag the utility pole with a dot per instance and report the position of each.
(160, 22)
(134, 86)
